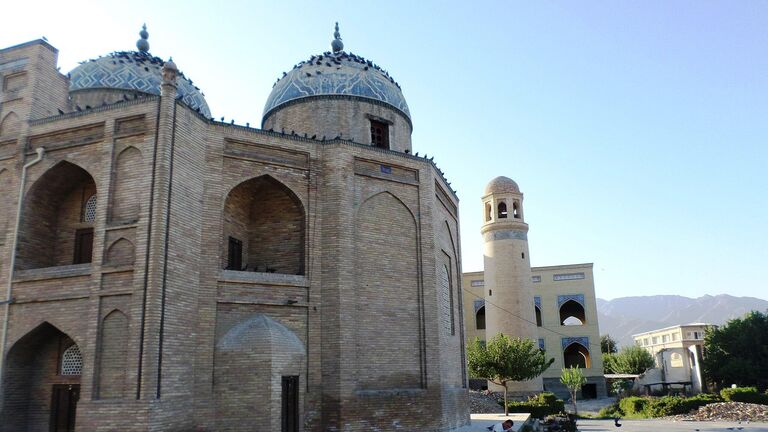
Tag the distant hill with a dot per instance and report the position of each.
(624, 316)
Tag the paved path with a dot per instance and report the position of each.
(480, 422)
(668, 426)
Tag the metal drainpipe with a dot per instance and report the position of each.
(7, 302)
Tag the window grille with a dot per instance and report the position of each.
(89, 210)
(72, 361)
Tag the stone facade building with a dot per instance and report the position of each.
(554, 305)
(167, 272)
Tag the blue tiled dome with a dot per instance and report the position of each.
(333, 74)
(133, 71)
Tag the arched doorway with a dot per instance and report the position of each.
(42, 382)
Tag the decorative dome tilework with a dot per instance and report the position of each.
(135, 71)
(338, 73)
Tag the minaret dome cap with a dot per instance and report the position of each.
(501, 185)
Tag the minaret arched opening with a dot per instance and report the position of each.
(502, 214)
(572, 313)
(516, 213)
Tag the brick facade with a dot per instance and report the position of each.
(350, 264)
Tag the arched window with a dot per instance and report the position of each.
(502, 210)
(71, 361)
(516, 210)
(676, 360)
(89, 209)
(576, 355)
(480, 319)
(538, 316)
(572, 313)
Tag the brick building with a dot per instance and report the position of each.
(175, 273)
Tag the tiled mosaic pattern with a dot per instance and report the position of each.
(135, 71)
(336, 74)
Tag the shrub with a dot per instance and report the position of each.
(611, 411)
(539, 406)
(633, 405)
(744, 394)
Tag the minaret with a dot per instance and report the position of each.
(509, 307)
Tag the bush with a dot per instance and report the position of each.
(744, 394)
(633, 405)
(674, 405)
(611, 411)
(539, 406)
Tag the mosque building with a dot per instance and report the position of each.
(164, 271)
(555, 305)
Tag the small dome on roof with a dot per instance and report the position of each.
(501, 184)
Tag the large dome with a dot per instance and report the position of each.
(337, 74)
(135, 71)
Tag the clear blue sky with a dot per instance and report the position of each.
(636, 129)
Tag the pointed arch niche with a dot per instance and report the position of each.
(58, 219)
(39, 363)
(264, 228)
(127, 183)
(387, 311)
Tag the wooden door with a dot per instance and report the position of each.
(64, 407)
(290, 404)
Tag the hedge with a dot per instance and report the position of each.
(744, 394)
(539, 406)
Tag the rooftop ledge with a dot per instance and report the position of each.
(263, 278)
(52, 272)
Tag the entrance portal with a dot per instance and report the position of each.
(291, 404)
(41, 385)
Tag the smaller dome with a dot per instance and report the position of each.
(501, 184)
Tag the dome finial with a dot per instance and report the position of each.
(337, 44)
(142, 44)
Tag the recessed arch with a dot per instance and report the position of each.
(572, 313)
(127, 182)
(53, 231)
(538, 316)
(480, 318)
(264, 227)
(112, 355)
(38, 363)
(577, 355)
(10, 125)
(387, 296)
(120, 252)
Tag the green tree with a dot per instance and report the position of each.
(607, 344)
(737, 352)
(503, 359)
(573, 378)
(629, 360)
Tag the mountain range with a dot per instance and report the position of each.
(624, 316)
